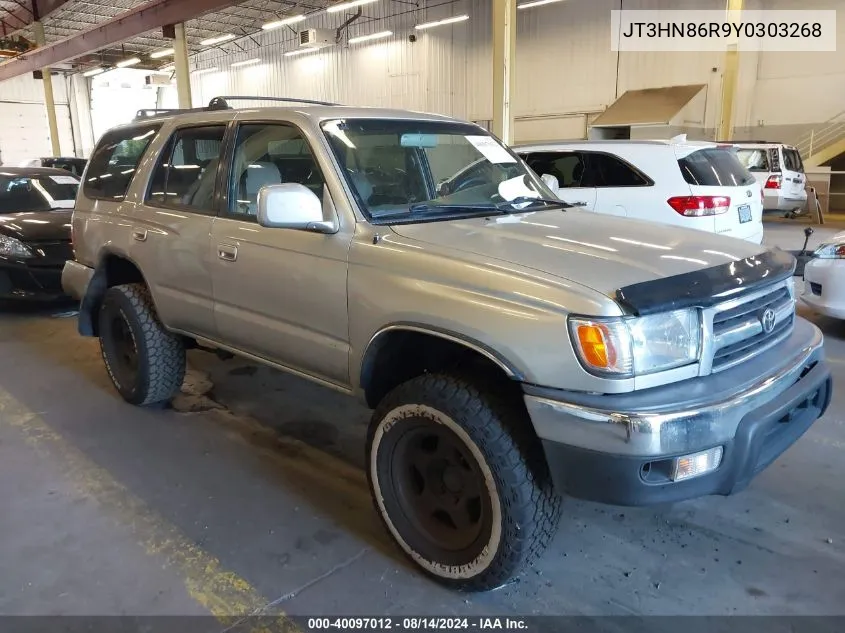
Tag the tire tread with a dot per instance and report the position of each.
(500, 426)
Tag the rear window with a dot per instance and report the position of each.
(792, 160)
(115, 160)
(715, 167)
(754, 159)
(41, 193)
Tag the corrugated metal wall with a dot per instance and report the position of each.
(565, 72)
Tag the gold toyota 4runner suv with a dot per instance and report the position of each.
(514, 349)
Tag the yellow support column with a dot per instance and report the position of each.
(504, 55)
(729, 80)
(183, 78)
(49, 99)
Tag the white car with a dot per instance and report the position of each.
(824, 278)
(693, 184)
(780, 171)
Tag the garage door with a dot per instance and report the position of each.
(25, 133)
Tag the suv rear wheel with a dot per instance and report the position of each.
(145, 362)
(460, 481)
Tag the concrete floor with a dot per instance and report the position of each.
(248, 496)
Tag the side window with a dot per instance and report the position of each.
(567, 167)
(115, 160)
(610, 171)
(187, 171)
(269, 154)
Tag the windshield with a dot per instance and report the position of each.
(443, 169)
(36, 193)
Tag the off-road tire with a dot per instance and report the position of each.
(496, 429)
(160, 354)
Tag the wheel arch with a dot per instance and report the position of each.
(114, 268)
(401, 351)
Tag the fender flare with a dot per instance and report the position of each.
(490, 354)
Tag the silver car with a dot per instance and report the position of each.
(513, 349)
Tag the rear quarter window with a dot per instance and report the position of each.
(714, 167)
(792, 160)
(754, 159)
(115, 161)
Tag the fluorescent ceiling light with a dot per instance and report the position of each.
(374, 36)
(217, 40)
(93, 71)
(162, 53)
(348, 5)
(535, 3)
(257, 60)
(428, 25)
(284, 22)
(128, 62)
(301, 51)
(206, 70)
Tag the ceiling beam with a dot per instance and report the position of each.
(149, 16)
(21, 18)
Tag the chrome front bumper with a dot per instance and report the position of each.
(686, 417)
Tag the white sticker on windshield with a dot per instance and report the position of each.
(491, 150)
(64, 180)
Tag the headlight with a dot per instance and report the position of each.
(830, 251)
(10, 247)
(625, 347)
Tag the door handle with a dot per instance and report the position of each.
(139, 235)
(227, 252)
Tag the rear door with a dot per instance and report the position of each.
(171, 229)
(794, 180)
(571, 168)
(622, 189)
(722, 189)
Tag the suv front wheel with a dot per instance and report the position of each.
(460, 481)
(145, 362)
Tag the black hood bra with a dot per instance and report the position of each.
(708, 286)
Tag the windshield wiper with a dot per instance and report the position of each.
(425, 209)
(530, 202)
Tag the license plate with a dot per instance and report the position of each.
(744, 213)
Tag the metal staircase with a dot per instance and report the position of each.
(824, 142)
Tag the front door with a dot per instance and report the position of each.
(280, 294)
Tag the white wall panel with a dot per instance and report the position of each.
(24, 133)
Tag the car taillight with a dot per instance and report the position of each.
(700, 206)
(773, 182)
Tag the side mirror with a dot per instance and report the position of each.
(551, 182)
(292, 206)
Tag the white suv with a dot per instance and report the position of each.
(780, 171)
(697, 185)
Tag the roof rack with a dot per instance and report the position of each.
(752, 142)
(221, 103)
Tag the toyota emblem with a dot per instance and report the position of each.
(767, 320)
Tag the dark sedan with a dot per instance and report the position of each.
(35, 231)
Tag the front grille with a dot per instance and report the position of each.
(816, 289)
(738, 330)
